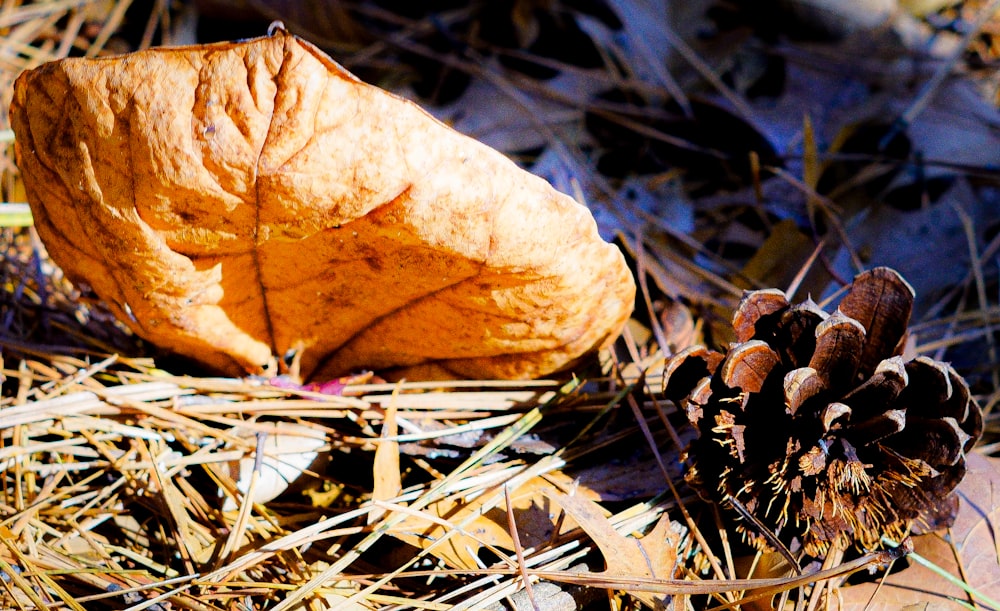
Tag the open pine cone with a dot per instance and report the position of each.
(816, 425)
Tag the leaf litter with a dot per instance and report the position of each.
(120, 477)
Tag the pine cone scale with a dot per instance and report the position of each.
(801, 385)
(883, 388)
(839, 344)
(755, 306)
(876, 428)
(882, 304)
(747, 366)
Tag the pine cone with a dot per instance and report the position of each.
(816, 425)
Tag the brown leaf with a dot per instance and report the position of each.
(484, 521)
(973, 536)
(233, 202)
(654, 555)
(781, 257)
(632, 477)
(288, 450)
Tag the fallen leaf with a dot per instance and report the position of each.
(780, 258)
(631, 477)
(974, 539)
(484, 521)
(290, 449)
(234, 202)
(654, 555)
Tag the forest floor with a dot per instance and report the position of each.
(723, 146)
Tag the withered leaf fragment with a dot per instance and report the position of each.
(234, 202)
(832, 439)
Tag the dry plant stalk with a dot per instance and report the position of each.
(817, 425)
(117, 494)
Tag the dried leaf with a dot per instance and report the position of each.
(654, 555)
(289, 450)
(484, 521)
(237, 201)
(779, 259)
(631, 477)
(972, 539)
